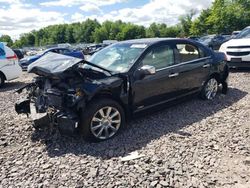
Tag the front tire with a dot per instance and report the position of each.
(210, 89)
(101, 120)
(2, 80)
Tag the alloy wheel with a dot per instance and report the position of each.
(211, 89)
(105, 123)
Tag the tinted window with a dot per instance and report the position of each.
(63, 51)
(57, 51)
(54, 51)
(245, 33)
(159, 57)
(202, 53)
(2, 52)
(186, 52)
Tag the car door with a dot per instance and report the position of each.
(5, 57)
(160, 87)
(2, 55)
(193, 66)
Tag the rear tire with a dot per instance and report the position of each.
(2, 80)
(210, 89)
(101, 120)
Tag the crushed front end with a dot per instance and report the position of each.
(51, 101)
(54, 95)
(61, 90)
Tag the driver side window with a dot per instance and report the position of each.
(159, 57)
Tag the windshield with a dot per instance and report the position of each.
(245, 33)
(118, 57)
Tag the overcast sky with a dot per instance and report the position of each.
(21, 16)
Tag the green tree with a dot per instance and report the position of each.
(186, 22)
(224, 16)
(200, 25)
(84, 31)
(173, 31)
(7, 39)
(69, 34)
(131, 31)
(153, 31)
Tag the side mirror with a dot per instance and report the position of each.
(148, 70)
(144, 71)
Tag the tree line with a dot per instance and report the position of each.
(224, 16)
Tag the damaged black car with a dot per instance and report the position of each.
(97, 97)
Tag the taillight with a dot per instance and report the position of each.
(12, 57)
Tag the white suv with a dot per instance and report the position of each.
(9, 68)
(237, 50)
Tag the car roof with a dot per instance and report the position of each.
(149, 40)
(56, 48)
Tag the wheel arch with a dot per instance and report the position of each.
(215, 75)
(220, 76)
(1, 73)
(105, 94)
(109, 95)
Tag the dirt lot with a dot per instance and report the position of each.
(194, 144)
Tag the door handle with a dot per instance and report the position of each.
(206, 65)
(173, 75)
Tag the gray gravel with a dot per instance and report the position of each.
(193, 144)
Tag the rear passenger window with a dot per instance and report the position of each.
(159, 57)
(2, 52)
(187, 52)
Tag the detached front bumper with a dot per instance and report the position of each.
(66, 121)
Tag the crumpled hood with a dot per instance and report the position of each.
(52, 63)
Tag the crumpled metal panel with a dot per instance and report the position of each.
(52, 63)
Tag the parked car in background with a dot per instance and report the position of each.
(214, 41)
(97, 97)
(109, 42)
(92, 49)
(31, 53)
(25, 62)
(234, 34)
(19, 53)
(196, 38)
(237, 50)
(9, 68)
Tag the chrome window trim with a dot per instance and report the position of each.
(183, 63)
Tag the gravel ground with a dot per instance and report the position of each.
(193, 144)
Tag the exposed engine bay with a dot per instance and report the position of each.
(59, 92)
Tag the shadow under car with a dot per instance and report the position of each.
(141, 130)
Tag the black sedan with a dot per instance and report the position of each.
(97, 97)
